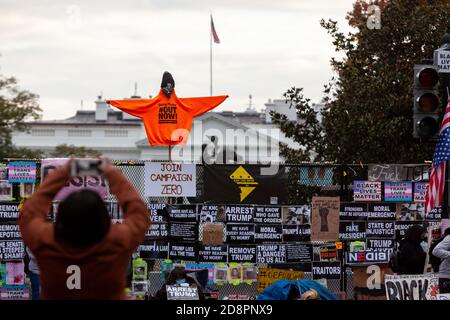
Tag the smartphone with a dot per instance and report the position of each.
(86, 167)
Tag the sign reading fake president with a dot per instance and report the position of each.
(170, 179)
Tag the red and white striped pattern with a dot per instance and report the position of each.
(435, 191)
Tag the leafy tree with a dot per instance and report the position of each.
(64, 150)
(368, 105)
(16, 107)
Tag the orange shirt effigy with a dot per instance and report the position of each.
(167, 121)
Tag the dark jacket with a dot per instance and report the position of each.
(412, 258)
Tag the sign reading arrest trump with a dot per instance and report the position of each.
(170, 179)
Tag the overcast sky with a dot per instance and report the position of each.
(68, 51)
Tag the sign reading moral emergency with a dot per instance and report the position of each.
(170, 179)
(367, 191)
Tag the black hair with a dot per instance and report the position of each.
(82, 219)
(447, 232)
(414, 233)
(167, 84)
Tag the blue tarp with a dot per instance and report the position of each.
(280, 290)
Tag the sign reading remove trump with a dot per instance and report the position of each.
(170, 179)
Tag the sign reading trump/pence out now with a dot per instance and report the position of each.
(170, 179)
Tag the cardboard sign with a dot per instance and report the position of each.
(156, 213)
(9, 231)
(154, 250)
(266, 214)
(299, 253)
(239, 214)
(268, 233)
(353, 211)
(368, 257)
(296, 233)
(212, 213)
(412, 287)
(420, 190)
(381, 211)
(241, 253)
(21, 292)
(183, 231)
(181, 251)
(368, 281)
(170, 179)
(5, 190)
(325, 218)
(22, 171)
(297, 215)
(381, 229)
(213, 253)
(326, 270)
(380, 244)
(176, 292)
(364, 191)
(11, 250)
(352, 230)
(240, 233)
(94, 183)
(157, 231)
(386, 172)
(183, 212)
(9, 211)
(213, 233)
(271, 254)
(398, 191)
(268, 276)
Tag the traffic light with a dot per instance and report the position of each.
(426, 102)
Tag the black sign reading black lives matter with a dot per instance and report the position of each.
(268, 233)
(183, 251)
(326, 270)
(9, 211)
(183, 231)
(9, 231)
(154, 250)
(296, 233)
(299, 252)
(352, 230)
(266, 214)
(183, 212)
(213, 253)
(157, 231)
(239, 214)
(380, 229)
(156, 212)
(241, 253)
(353, 211)
(240, 233)
(271, 253)
(381, 211)
(11, 250)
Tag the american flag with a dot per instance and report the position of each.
(435, 191)
(213, 32)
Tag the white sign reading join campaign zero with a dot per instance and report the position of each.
(170, 179)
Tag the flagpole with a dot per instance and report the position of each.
(210, 56)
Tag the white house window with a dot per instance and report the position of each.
(43, 132)
(116, 133)
(79, 133)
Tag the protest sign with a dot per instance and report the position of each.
(157, 231)
(22, 171)
(183, 231)
(268, 276)
(182, 251)
(240, 233)
(326, 270)
(373, 256)
(237, 213)
(398, 191)
(275, 253)
(366, 191)
(297, 215)
(156, 212)
(178, 292)
(209, 253)
(434, 214)
(299, 252)
(18, 292)
(170, 179)
(9, 211)
(5, 190)
(182, 212)
(267, 214)
(353, 211)
(11, 250)
(94, 183)
(380, 229)
(412, 287)
(211, 213)
(268, 233)
(328, 253)
(9, 231)
(213, 233)
(352, 230)
(153, 250)
(402, 226)
(368, 281)
(420, 190)
(296, 233)
(380, 244)
(241, 253)
(381, 211)
(325, 218)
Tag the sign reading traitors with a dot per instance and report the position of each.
(170, 179)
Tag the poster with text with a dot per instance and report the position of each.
(157, 212)
(268, 276)
(352, 211)
(157, 231)
(267, 214)
(240, 233)
(325, 218)
(241, 253)
(239, 214)
(381, 211)
(380, 229)
(271, 253)
(398, 191)
(9, 211)
(296, 233)
(402, 226)
(368, 256)
(9, 231)
(299, 253)
(420, 190)
(352, 230)
(366, 191)
(268, 233)
(326, 270)
(211, 213)
(183, 251)
(154, 250)
(170, 179)
(182, 212)
(411, 287)
(216, 254)
(11, 250)
(183, 232)
(22, 171)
